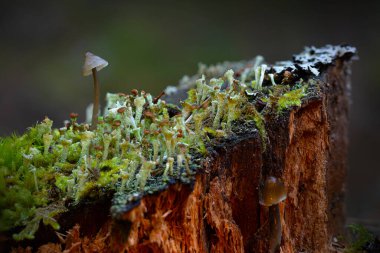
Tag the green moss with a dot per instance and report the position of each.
(46, 215)
(17, 188)
(109, 178)
(62, 182)
(291, 98)
(361, 238)
(260, 125)
(85, 190)
(134, 150)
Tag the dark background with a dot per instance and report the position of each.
(151, 45)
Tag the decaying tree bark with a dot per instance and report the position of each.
(220, 211)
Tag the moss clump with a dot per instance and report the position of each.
(139, 146)
(283, 97)
(291, 98)
(44, 214)
(361, 239)
(22, 188)
(252, 114)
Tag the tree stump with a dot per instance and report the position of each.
(220, 211)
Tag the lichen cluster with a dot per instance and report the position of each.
(141, 144)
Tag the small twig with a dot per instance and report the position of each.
(155, 100)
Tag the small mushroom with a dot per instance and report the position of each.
(92, 64)
(272, 192)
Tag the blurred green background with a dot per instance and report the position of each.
(150, 45)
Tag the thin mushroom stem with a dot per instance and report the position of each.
(95, 109)
(275, 228)
(272, 192)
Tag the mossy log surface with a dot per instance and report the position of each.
(219, 211)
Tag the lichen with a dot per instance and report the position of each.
(140, 145)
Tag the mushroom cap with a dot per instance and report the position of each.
(93, 61)
(272, 192)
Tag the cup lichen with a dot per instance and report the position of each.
(137, 147)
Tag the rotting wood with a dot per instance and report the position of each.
(220, 211)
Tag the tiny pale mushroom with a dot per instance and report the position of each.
(92, 64)
(272, 192)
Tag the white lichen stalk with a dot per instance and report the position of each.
(124, 145)
(168, 168)
(124, 174)
(144, 174)
(199, 84)
(180, 125)
(219, 113)
(182, 157)
(47, 139)
(44, 127)
(198, 122)
(271, 77)
(229, 75)
(169, 141)
(117, 137)
(259, 77)
(107, 138)
(86, 138)
(65, 149)
(156, 148)
(132, 167)
(139, 102)
(232, 110)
